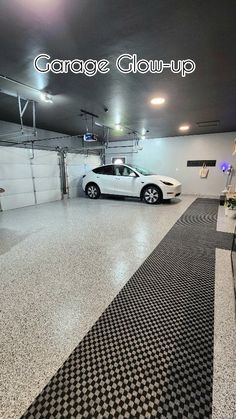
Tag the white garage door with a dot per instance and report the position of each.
(15, 178)
(76, 166)
(28, 181)
(46, 172)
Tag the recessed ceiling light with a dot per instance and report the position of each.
(184, 127)
(157, 100)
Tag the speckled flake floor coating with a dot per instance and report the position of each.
(150, 355)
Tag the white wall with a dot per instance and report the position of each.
(168, 156)
(76, 166)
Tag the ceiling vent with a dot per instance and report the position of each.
(208, 124)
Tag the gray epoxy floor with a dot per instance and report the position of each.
(224, 389)
(61, 265)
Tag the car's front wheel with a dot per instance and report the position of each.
(152, 195)
(93, 191)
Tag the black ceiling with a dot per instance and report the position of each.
(203, 30)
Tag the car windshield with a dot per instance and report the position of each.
(143, 171)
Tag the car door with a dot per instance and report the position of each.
(125, 181)
(104, 178)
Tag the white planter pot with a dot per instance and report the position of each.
(231, 213)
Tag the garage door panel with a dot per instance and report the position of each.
(44, 170)
(16, 186)
(75, 171)
(75, 159)
(76, 167)
(14, 171)
(46, 184)
(93, 161)
(45, 157)
(13, 155)
(48, 196)
(17, 201)
(17, 168)
(47, 180)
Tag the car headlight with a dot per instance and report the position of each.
(167, 183)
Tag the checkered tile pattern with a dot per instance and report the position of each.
(150, 355)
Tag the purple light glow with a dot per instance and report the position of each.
(224, 165)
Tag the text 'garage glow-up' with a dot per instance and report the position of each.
(125, 63)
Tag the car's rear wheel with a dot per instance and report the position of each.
(93, 191)
(152, 195)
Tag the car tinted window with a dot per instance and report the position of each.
(104, 170)
(143, 171)
(98, 170)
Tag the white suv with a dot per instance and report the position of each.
(120, 179)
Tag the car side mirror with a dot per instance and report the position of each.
(132, 174)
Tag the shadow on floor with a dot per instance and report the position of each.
(9, 238)
(173, 201)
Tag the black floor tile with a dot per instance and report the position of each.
(150, 355)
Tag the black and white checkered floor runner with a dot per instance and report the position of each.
(150, 354)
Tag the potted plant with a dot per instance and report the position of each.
(231, 207)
